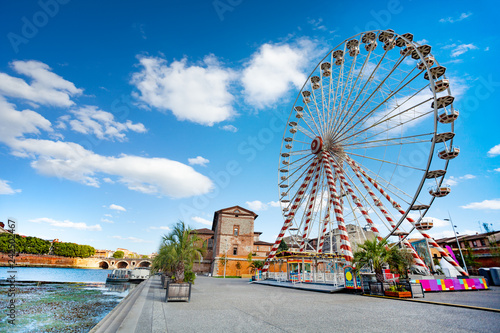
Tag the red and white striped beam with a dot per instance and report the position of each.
(431, 241)
(380, 205)
(309, 209)
(291, 214)
(345, 245)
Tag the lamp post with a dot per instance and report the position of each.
(458, 244)
(225, 257)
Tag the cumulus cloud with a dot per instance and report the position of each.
(91, 120)
(117, 207)
(201, 220)
(485, 204)
(67, 224)
(450, 19)
(197, 93)
(495, 151)
(132, 239)
(229, 128)
(46, 87)
(147, 175)
(107, 220)
(15, 124)
(256, 205)
(198, 161)
(6, 189)
(273, 70)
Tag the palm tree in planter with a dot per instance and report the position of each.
(377, 254)
(178, 251)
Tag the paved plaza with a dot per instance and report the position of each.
(235, 305)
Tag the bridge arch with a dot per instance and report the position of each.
(104, 265)
(145, 263)
(122, 264)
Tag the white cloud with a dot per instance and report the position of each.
(108, 215)
(15, 124)
(132, 239)
(198, 161)
(461, 49)
(495, 151)
(201, 220)
(453, 181)
(91, 120)
(317, 24)
(147, 175)
(108, 180)
(274, 69)
(274, 203)
(487, 48)
(229, 128)
(497, 170)
(67, 224)
(160, 228)
(449, 233)
(107, 221)
(6, 189)
(195, 93)
(422, 41)
(485, 204)
(117, 207)
(256, 205)
(46, 87)
(450, 19)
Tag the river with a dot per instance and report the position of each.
(57, 299)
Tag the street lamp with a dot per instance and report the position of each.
(225, 257)
(458, 244)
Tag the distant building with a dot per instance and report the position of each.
(103, 253)
(356, 236)
(232, 236)
(484, 247)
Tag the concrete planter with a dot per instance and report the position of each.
(398, 294)
(178, 292)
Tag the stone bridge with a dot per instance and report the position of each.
(112, 263)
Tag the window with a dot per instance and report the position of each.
(483, 243)
(236, 230)
(235, 251)
(210, 243)
(474, 243)
(257, 248)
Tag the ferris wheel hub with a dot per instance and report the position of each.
(317, 145)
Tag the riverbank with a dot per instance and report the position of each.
(37, 260)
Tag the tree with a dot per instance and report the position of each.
(223, 260)
(178, 251)
(145, 256)
(377, 254)
(282, 246)
(257, 264)
(118, 254)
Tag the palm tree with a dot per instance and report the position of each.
(178, 251)
(377, 254)
(257, 264)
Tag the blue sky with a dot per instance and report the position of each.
(118, 119)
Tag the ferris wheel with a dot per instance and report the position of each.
(370, 130)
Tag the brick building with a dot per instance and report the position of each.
(232, 236)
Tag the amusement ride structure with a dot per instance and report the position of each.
(372, 126)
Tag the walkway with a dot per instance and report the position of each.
(319, 287)
(235, 305)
